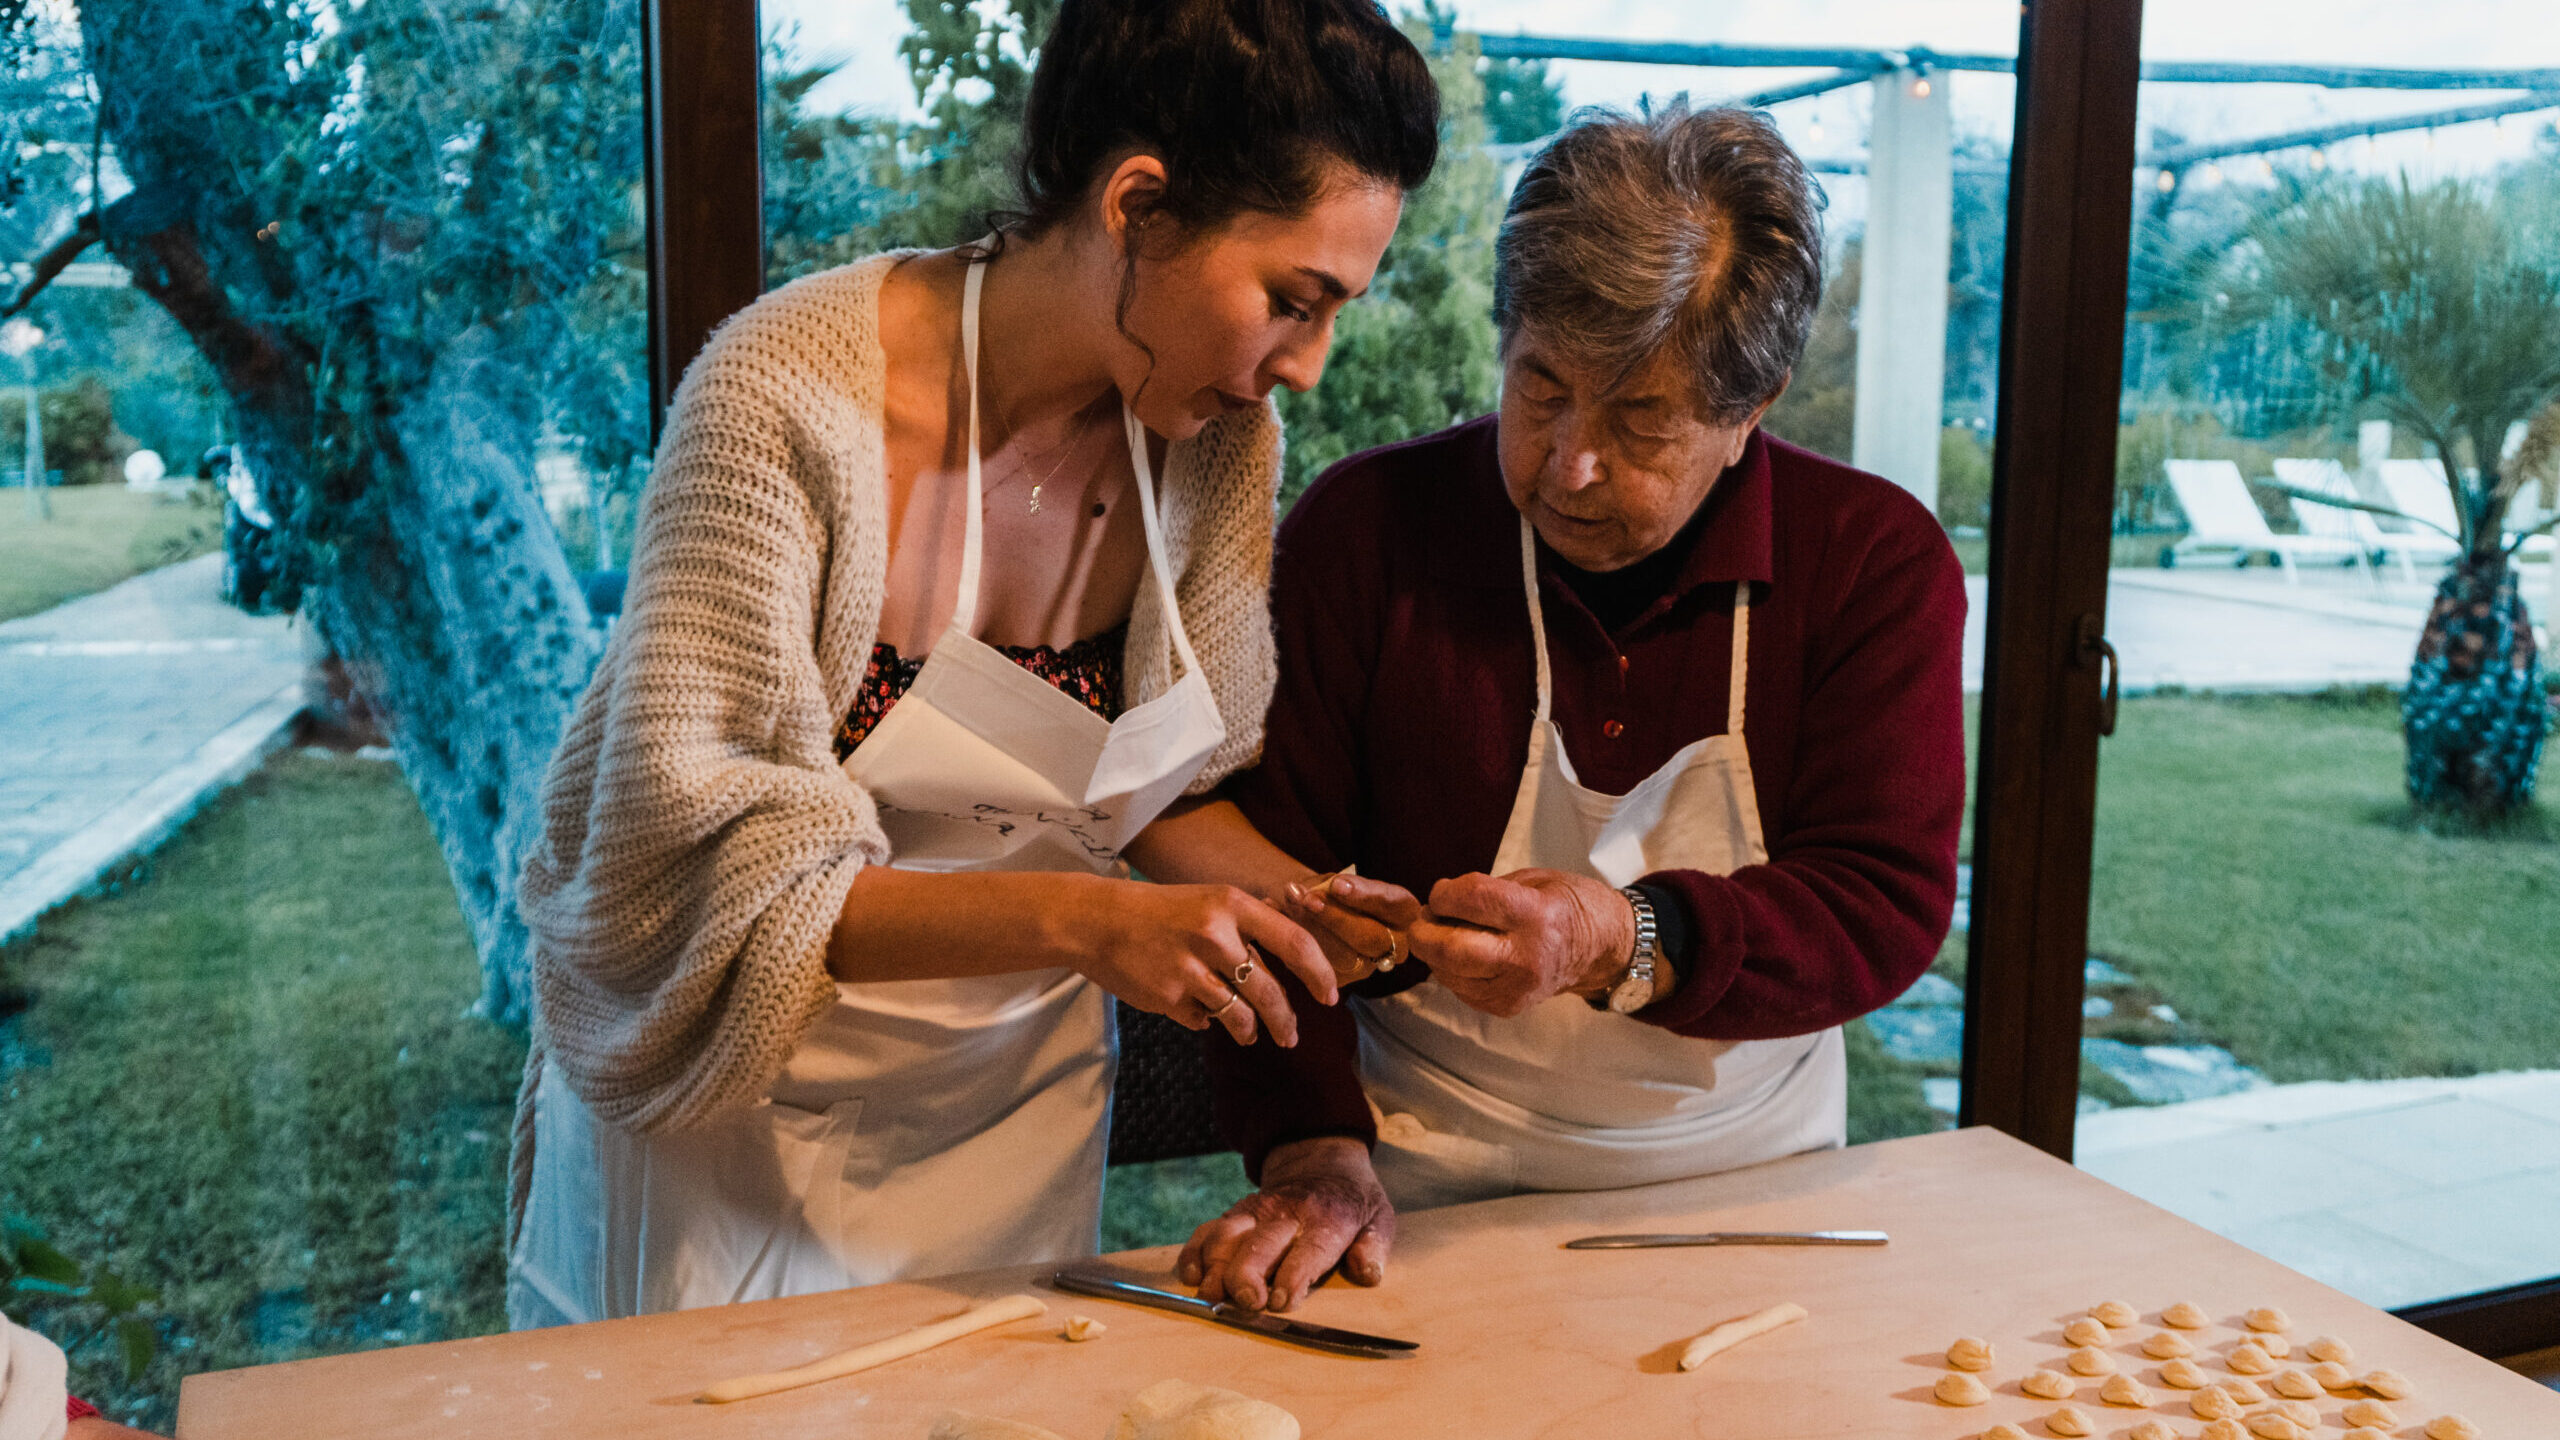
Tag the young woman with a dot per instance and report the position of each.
(951, 579)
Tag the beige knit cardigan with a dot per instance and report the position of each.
(699, 835)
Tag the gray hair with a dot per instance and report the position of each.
(1695, 230)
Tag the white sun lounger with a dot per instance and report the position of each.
(2221, 516)
(2418, 488)
(2328, 477)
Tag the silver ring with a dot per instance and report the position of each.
(1244, 972)
(1232, 998)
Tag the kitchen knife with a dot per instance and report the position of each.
(1729, 1237)
(1259, 1322)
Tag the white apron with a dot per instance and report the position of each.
(1566, 1097)
(924, 1126)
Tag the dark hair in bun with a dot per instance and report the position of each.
(1246, 102)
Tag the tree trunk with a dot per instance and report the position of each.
(2476, 709)
(420, 544)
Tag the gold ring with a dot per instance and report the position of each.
(1244, 972)
(1232, 998)
(1394, 955)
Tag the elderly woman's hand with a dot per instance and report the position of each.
(1320, 1206)
(1507, 943)
(1362, 924)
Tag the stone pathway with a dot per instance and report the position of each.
(2216, 628)
(119, 713)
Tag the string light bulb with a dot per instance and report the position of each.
(2319, 159)
(2168, 181)
(1815, 129)
(2213, 174)
(1920, 88)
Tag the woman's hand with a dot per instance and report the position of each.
(1191, 951)
(1361, 923)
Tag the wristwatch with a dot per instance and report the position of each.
(1634, 990)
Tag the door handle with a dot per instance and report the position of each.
(2095, 650)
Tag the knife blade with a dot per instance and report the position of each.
(1259, 1322)
(1729, 1237)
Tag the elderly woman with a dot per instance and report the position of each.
(1663, 716)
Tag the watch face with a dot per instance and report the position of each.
(1633, 994)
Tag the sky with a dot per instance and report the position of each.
(863, 35)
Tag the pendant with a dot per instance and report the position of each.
(1035, 499)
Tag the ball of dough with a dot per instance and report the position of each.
(2004, 1432)
(2167, 1345)
(2268, 1425)
(2452, 1427)
(2226, 1430)
(2269, 1319)
(1970, 1354)
(2049, 1385)
(2090, 1360)
(2185, 1315)
(2273, 1344)
(2244, 1390)
(2248, 1359)
(2295, 1385)
(2084, 1331)
(2371, 1412)
(2389, 1384)
(2215, 1403)
(2183, 1375)
(2300, 1412)
(2152, 1430)
(2069, 1420)
(1957, 1388)
(2115, 1315)
(2124, 1390)
(2330, 1347)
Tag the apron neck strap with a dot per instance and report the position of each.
(1538, 635)
(964, 616)
(1741, 655)
(1537, 617)
(1157, 561)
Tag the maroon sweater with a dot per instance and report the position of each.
(1400, 729)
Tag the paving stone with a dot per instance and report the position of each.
(2166, 1074)
(1920, 1035)
(2099, 972)
(1932, 990)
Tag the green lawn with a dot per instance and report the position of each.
(99, 534)
(249, 1077)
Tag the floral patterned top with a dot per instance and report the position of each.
(1088, 671)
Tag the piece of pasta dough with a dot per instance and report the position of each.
(2268, 1425)
(1081, 1328)
(2115, 1315)
(879, 1352)
(961, 1425)
(2367, 1432)
(2452, 1427)
(2247, 1359)
(1969, 1353)
(2124, 1390)
(2330, 1347)
(1957, 1388)
(2334, 1375)
(2269, 1319)
(2274, 1344)
(2069, 1420)
(2295, 1385)
(2371, 1412)
(2185, 1315)
(2389, 1384)
(2226, 1430)
(2244, 1390)
(2049, 1385)
(2300, 1412)
(1733, 1332)
(2184, 1375)
(2084, 1331)
(2090, 1360)
(2004, 1431)
(2167, 1345)
(2153, 1430)
(2214, 1403)
(1180, 1410)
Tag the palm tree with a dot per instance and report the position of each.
(2430, 309)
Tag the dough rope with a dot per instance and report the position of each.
(878, 1352)
(1733, 1332)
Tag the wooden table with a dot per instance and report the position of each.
(1519, 1337)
